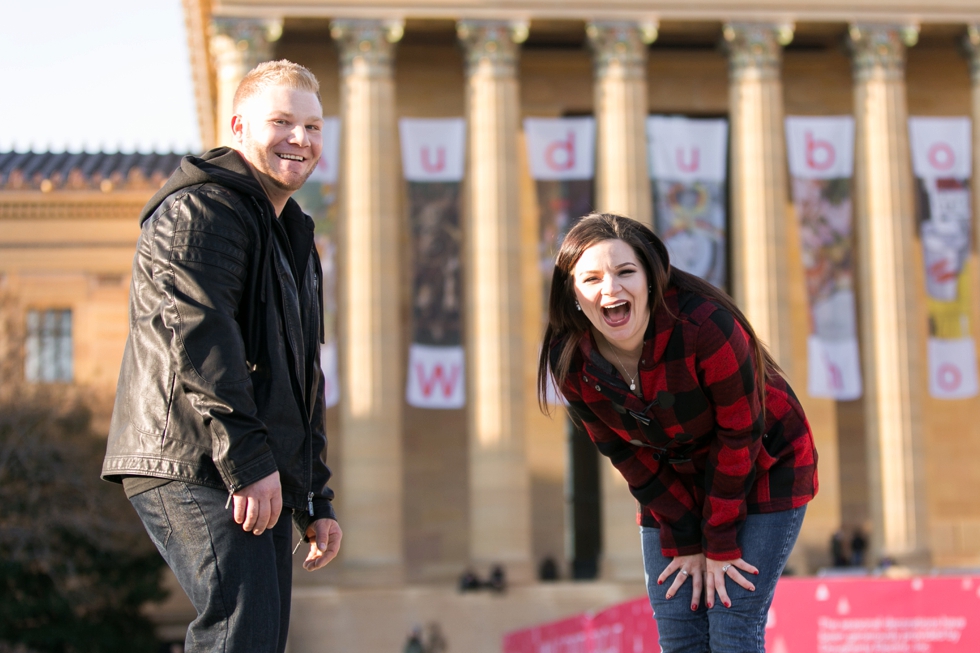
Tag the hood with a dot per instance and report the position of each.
(223, 166)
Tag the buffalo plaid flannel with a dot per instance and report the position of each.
(695, 450)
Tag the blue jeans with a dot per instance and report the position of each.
(239, 583)
(766, 542)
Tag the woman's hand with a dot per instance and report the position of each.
(714, 578)
(686, 566)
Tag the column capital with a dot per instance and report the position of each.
(756, 49)
(492, 43)
(878, 50)
(243, 41)
(620, 44)
(367, 43)
(971, 43)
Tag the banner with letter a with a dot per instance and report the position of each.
(942, 166)
(821, 164)
(433, 161)
(561, 154)
(318, 198)
(688, 161)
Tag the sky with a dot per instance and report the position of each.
(95, 75)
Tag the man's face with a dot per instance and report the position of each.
(279, 132)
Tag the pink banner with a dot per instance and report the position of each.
(808, 615)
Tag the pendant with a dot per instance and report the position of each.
(633, 386)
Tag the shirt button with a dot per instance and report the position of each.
(585, 378)
(598, 388)
(656, 456)
(643, 360)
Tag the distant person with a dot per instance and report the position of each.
(469, 581)
(498, 579)
(218, 424)
(859, 544)
(837, 553)
(671, 383)
(414, 642)
(435, 641)
(548, 570)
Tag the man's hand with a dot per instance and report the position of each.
(324, 536)
(257, 506)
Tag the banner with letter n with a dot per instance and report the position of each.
(561, 154)
(433, 162)
(318, 198)
(821, 165)
(688, 161)
(942, 166)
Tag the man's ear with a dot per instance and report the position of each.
(237, 127)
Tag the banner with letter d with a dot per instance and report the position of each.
(433, 160)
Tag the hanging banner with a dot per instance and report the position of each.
(941, 163)
(561, 154)
(688, 160)
(318, 199)
(433, 161)
(821, 164)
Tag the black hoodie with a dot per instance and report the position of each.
(220, 383)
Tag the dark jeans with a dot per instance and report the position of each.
(238, 582)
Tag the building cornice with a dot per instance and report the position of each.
(780, 11)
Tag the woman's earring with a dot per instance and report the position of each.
(578, 307)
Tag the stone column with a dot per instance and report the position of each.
(619, 55)
(892, 321)
(972, 43)
(758, 182)
(372, 378)
(237, 46)
(500, 506)
(622, 185)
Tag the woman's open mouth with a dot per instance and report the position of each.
(617, 314)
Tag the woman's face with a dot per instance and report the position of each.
(611, 288)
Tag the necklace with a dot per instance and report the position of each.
(631, 378)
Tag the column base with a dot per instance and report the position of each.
(374, 574)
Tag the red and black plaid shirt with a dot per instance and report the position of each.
(695, 451)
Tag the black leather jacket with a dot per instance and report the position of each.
(220, 382)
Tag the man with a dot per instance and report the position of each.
(218, 424)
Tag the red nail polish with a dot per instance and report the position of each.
(727, 604)
(756, 572)
(693, 607)
(660, 582)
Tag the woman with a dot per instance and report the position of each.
(669, 380)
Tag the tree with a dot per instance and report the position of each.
(76, 566)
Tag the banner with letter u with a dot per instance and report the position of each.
(942, 166)
(561, 154)
(433, 162)
(688, 161)
(318, 198)
(821, 164)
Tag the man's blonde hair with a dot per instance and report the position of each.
(275, 73)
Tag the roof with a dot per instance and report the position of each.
(47, 171)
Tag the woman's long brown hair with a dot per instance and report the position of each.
(566, 325)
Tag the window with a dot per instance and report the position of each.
(48, 355)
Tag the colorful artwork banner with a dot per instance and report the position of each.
(821, 165)
(433, 155)
(688, 161)
(561, 157)
(808, 615)
(318, 199)
(942, 164)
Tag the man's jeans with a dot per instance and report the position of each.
(238, 582)
(766, 541)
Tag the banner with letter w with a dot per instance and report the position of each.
(561, 154)
(432, 160)
(821, 164)
(942, 166)
(688, 159)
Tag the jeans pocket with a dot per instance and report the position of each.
(152, 510)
